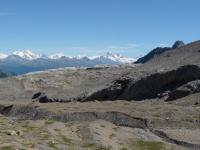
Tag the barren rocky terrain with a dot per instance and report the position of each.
(152, 106)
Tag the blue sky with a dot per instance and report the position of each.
(80, 27)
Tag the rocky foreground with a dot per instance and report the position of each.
(101, 125)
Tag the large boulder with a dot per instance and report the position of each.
(37, 95)
(41, 97)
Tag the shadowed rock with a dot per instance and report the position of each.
(184, 90)
(149, 86)
(37, 95)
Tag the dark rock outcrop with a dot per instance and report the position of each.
(184, 90)
(37, 95)
(158, 51)
(149, 86)
(152, 54)
(178, 44)
(168, 139)
(111, 93)
(43, 98)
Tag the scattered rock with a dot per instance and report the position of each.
(36, 95)
(14, 133)
(43, 98)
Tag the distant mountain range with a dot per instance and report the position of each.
(21, 62)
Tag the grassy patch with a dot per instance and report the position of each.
(103, 148)
(52, 145)
(86, 145)
(6, 148)
(102, 126)
(112, 135)
(149, 145)
(115, 128)
(44, 136)
(66, 140)
(97, 133)
(57, 130)
(48, 122)
(123, 148)
(66, 83)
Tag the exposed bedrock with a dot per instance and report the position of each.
(33, 113)
(149, 86)
(184, 90)
(168, 139)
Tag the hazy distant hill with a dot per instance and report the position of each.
(4, 74)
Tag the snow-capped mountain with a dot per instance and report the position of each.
(3, 56)
(115, 57)
(57, 56)
(27, 54)
(21, 62)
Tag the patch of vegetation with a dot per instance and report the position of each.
(6, 148)
(112, 135)
(103, 148)
(66, 140)
(96, 133)
(52, 145)
(26, 125)
(48, 122)
(87, 145)
(103, 126)
(57, 130)
(123, 148)
(67, 82)
(30, 145)
(69, 124)
(149, 145)
(44, 136)
(115, 128)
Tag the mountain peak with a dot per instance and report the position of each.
(159, 51)
(178, 44)
(3, 56)
(27, 54)
(56, 56)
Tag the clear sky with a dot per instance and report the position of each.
(79, 27)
